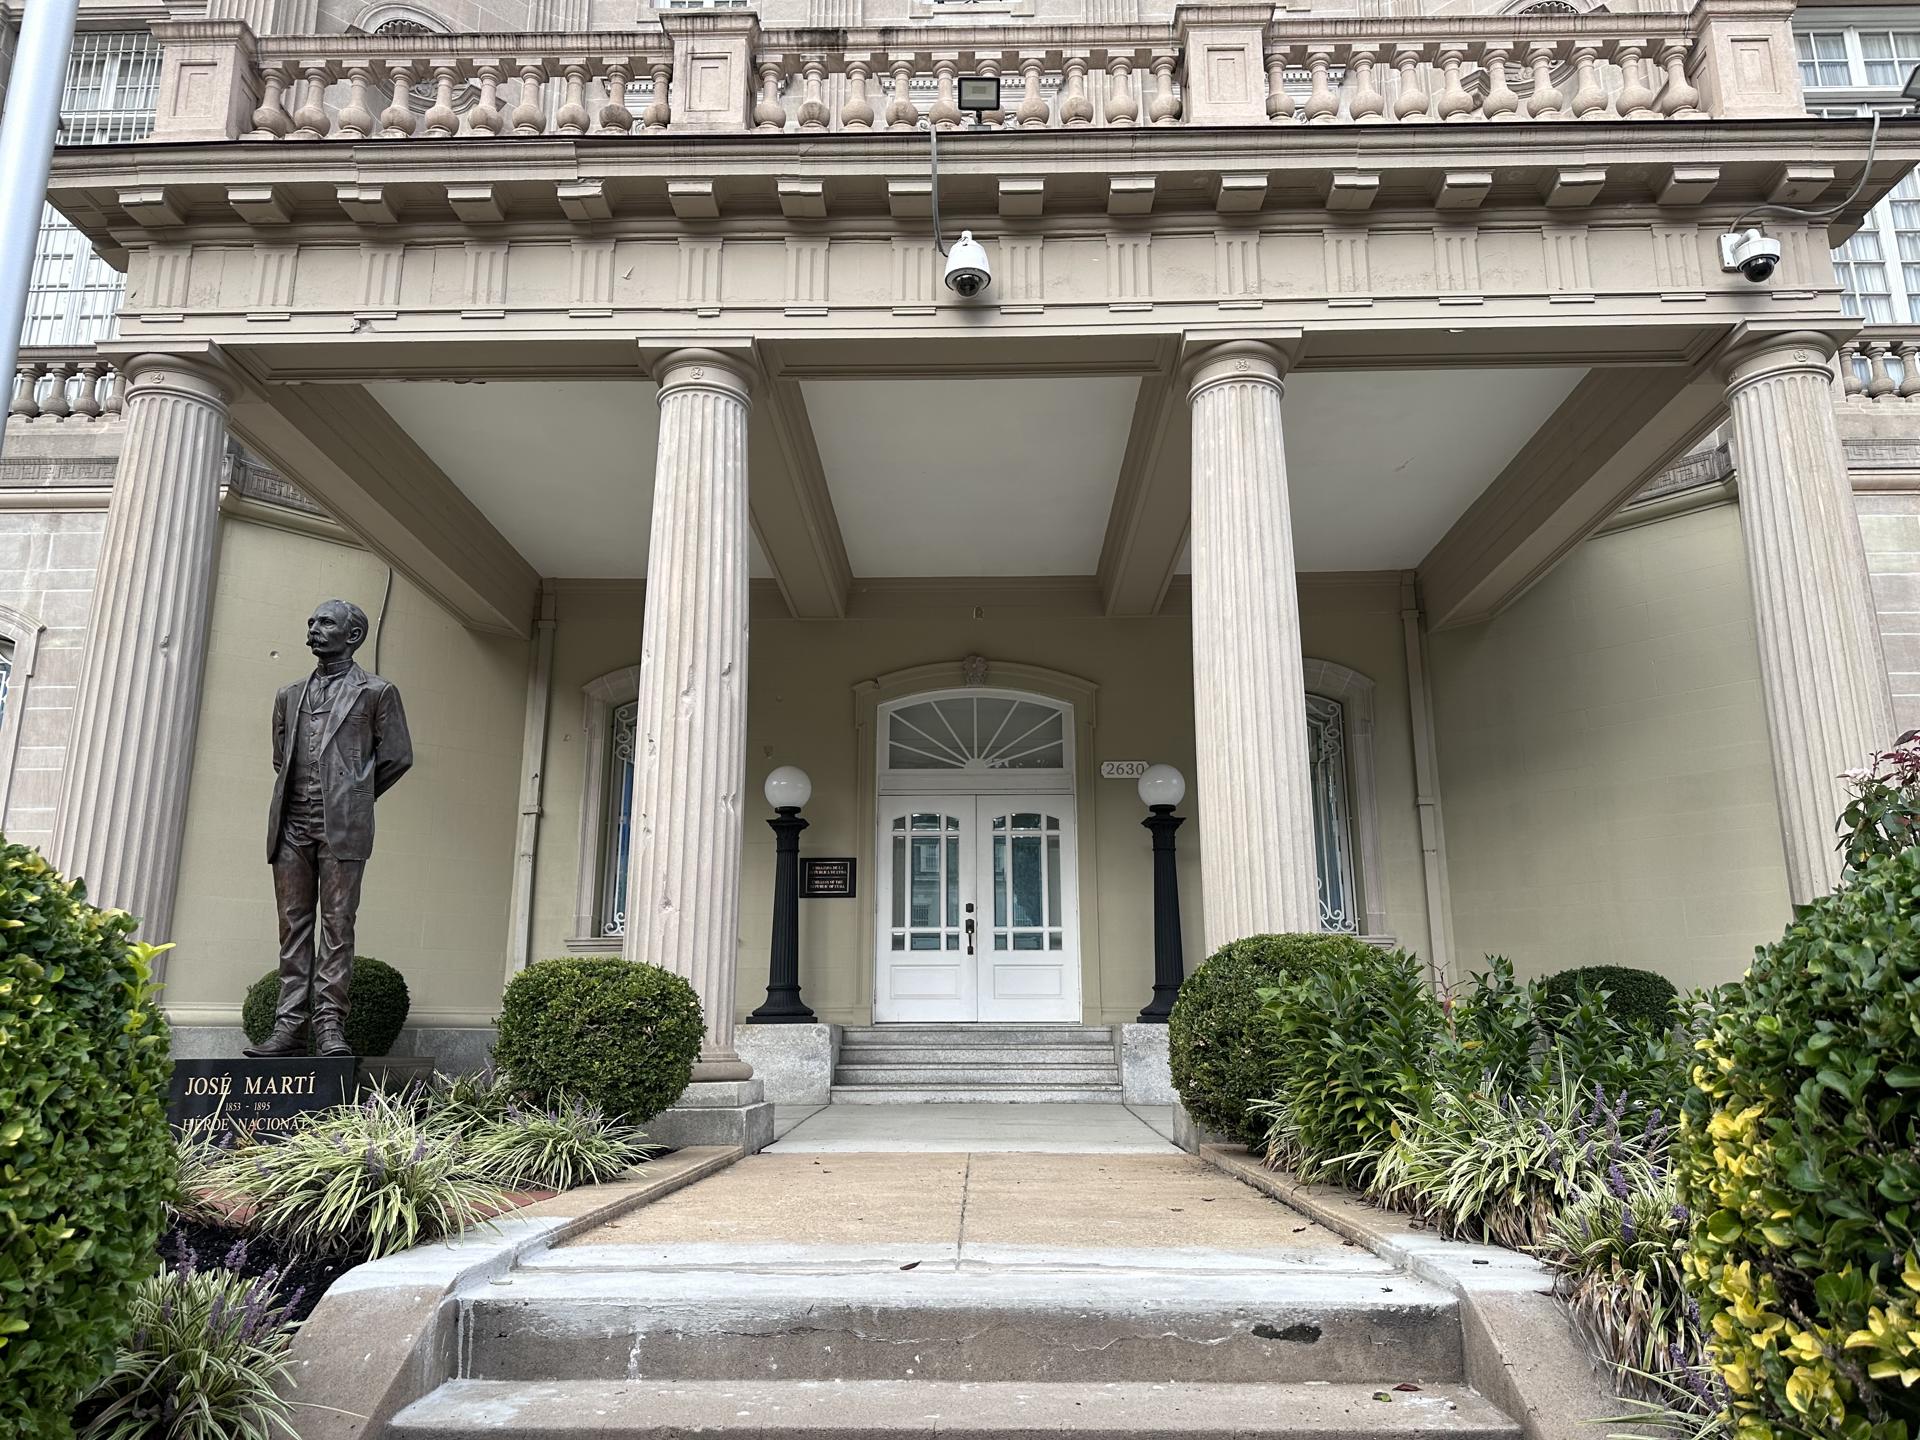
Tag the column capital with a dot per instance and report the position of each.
(711, 370)
(1258, 362)
(1757, 355)
(196, 372)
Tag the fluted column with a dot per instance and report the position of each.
(1250, 719)
(1821, 669)
(123, 799)
(683, 878)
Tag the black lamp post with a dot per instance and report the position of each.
(1161, 789)
(787, 790)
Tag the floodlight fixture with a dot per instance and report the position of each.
(981, 93)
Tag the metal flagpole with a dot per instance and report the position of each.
(28, 127)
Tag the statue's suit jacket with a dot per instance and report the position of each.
(364, 748)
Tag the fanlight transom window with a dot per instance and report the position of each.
(974, 733)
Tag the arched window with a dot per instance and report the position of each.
(616, 825)
(1332, 814)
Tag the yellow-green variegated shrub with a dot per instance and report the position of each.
(1799, 1157)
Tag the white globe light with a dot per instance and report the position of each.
(1162, 785)
(788, 787)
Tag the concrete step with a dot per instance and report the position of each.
(974, 1095)
(977, 1035)
(976, 1054)
(945, 1073)
(891, 1410)
(931, 1323)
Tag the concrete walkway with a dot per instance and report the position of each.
(974, 1129)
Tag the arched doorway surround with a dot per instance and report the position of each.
(974, 779)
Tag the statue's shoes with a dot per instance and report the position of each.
(279, 1046)
(332, 1043)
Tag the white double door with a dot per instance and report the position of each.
(977, 909)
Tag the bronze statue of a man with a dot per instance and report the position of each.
(339, 742)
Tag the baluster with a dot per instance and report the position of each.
(356, 119)
(769, 115)
(615, 117)
(311, 119)
(530, 115)
(1075, 108)
(1120, 106)
(1323, 101)
(902, 113)
(485, 118)
(1366, 104)
(1909, 369)
(1544, 103)
(1500, 102)
(113, 399)
(1678, 100)
(1413, 102)
(1589, 96)
(659, 111)
(989, 65)
(1635, 100)
(1279, 103)
(856, 112)
(396, 121)
(944, 115)
(26, 383)
(86, 401)
(1850, 381)
(1879, 380)
(1166, 105)
(1455, 103)
(814, 114)
(442, 120)
(573, 118)
(55, 402)
(1033, 110)
(271, 121)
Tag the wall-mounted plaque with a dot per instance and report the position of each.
(1122, 769)
(826, 878)
(263, 1096)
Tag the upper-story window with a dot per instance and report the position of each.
(112, 80)
(1855, 58)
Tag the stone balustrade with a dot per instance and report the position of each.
(1882, 363)
(1215, 64)
(64, 384)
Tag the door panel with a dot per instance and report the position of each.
(1030, 967)
(926, 886)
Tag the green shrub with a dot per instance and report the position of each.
(1799, 1156)
(367, 1179)
(85, 1170)
(616, 1034)
(1348, 1046)
(1635, 997)
(377, 1005)
(207, 1349)
(568, 1144)
(1217, 1060)
(1494, 1029)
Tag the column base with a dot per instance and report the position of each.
(794, 1062)
(728, 1112)
(1146, 1077)
(721, 1071)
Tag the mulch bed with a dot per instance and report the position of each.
(303, 1278)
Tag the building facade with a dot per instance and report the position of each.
(1358, 419)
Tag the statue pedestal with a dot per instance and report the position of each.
(264, 1096)
(716, 1112)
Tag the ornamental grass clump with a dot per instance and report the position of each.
(1799, 1159)
(367, 1179)
(203, 1360)
(85, 1170)
(554, 1148)
(1349, 1049)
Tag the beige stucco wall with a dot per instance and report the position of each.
(435, 902)
(1604, 763)
(802, 676)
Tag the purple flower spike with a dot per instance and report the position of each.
(1617, 1181)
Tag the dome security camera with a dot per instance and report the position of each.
(1751, 253)
(967, 270)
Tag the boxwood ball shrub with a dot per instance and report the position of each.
(1636, 997)
(1799, 1159)
(85, 1167)
(377, 1006)
(614, 1033)
(1214, 1048)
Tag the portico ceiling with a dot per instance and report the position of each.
(981, 476)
